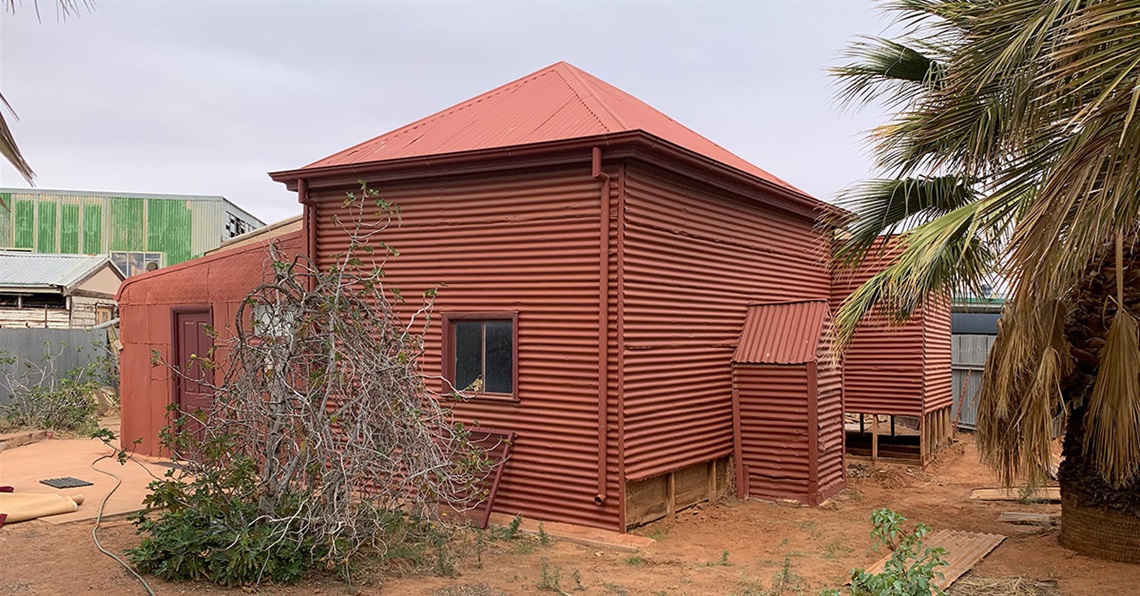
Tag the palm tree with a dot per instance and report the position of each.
(1015, 147)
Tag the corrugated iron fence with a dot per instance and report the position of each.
(969, 360)
(27, 352)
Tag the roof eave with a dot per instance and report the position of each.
(451, 163)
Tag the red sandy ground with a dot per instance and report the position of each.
(820, 545)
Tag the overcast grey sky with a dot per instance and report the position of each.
(206, 97)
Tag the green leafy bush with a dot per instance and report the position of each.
(209, 528)
(69, 405)
(912, 567)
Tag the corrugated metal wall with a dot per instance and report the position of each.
(832, 467)
(937, 355)
(221, 281)
(969, 362)
(883, 367)
(693, 260)
(774, 419)
(96, 224)
(525, 241)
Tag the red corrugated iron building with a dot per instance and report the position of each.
(625, 247)
(602, 258)
(898, 371)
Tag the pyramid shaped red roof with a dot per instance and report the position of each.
(556, 103)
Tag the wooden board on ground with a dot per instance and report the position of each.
(963, 551)
(1049, 493)
(1029, 519)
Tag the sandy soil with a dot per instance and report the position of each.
(730, 548)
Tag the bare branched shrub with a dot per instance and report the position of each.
(319, 396)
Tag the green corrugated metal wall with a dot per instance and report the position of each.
(93, 228)
(45, 239)
(25, 224)
(127, 224)
(164, 220)
(76, 223)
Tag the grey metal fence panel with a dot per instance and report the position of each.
(68, 348)
(969, 360)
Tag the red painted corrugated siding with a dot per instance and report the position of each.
(785, 333)
(938, 355)
(883, 364)
(694, 259)
(220, 280)
(527, 241)
(774, 429)
(829, 405)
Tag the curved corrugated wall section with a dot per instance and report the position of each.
(527, 241)
(938, 354)
(693, 261)
(221, 281)
(883, 366)
(774, 421)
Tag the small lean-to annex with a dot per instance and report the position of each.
(787, 397)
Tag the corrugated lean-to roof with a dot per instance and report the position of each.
(46, 271)
(782, 333)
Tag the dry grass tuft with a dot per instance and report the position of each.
(1000, 586)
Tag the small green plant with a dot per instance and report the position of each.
(550, 580)
(613, 588)
(512, 529)
(577, 576)
(543, 537)
(836, 549)
(786, 580)
(634, 561)
(912, 567)
(723, 562)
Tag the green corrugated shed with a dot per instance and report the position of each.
(179, 227)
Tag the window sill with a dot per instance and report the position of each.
(509, 398)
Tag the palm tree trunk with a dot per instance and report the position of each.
(1097, 519)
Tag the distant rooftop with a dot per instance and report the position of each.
(131, 195)
(47, 271)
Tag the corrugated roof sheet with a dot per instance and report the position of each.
(782, 333)
(43, 270)
(556, 103)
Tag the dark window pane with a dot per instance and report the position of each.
(500, 357)
(468, 352)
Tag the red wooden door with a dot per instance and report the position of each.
(191, 342)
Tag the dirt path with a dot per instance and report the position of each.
(731, 548)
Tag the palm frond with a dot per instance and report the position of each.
(8, 147)
(886, 70)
